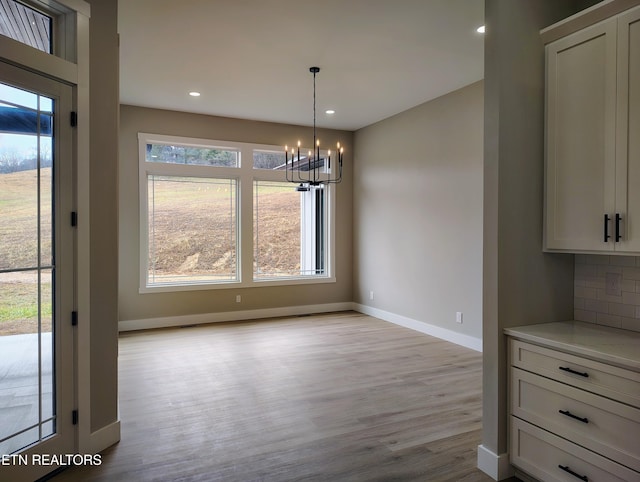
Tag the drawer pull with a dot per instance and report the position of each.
(567, 369)
(569, 471)
(569, 414)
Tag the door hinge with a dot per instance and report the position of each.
(74, 318)
(74, 218)
(74, 417)
(73, 119)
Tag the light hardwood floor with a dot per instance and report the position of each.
(338, 397)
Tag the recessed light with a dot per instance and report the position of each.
(194, 94)
(480, 29)
(330, 111)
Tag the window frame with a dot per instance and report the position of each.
(245, 175)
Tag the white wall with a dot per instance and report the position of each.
(418, 213)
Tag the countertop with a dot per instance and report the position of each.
(610, 345)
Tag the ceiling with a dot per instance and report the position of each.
(250, 59)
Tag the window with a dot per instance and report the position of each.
(288, 231)
(25, 25)
(196, 209)
(192, 230)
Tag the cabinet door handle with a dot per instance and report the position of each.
(567, 369)
(618, 219)
(568, 470)
(569, 414)
(606, 228)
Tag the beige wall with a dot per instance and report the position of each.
(418, 212)
(521, 285)
(104, 105)
(135, 306)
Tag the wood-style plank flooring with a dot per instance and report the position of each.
(337, 397)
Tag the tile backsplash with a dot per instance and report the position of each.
(607, 290)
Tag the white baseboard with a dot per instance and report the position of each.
(173, 321)
(495, 466)
(169, 321)
(422, 327)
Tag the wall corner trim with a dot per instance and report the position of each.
(495, 466)
(103, 438)
(426, 328)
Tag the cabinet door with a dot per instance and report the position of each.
(580, 143)
(628, 131)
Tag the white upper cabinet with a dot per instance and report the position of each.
(592, 165)
(628, 131)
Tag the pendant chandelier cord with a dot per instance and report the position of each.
(314, 108)
(314, 121)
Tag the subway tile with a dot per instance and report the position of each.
(603, 296)
(582, 315)
(580, 259)
(637, 311)
(586, 270)
(609, 320)
(599, 283)
(583, 292)
(637, 286)
(578, 303)
(638, 261)
(630, 298)
(579, 282)
(631, 273)
(603, 270)
(596, 305)
(597, 259)
(622, 310)
(630, 324)
(628, 285)
(623, 260)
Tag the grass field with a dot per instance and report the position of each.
(19, 249)
(192, 235)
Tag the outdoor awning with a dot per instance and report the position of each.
(14, 120)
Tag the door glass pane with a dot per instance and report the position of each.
(27, 408)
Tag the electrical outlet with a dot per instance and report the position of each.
(371, 295)
(238, 298)
(458, 316)
(612, 284)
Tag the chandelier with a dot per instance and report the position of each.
(314, 168)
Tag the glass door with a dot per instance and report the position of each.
(36, 272)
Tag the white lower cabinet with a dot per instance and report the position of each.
(551, 458)
(572, 418)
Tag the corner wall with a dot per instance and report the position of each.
(521, 284)
(418, 216)
(104, 105)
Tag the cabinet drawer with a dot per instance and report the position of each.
(599, 424)
(541, 454)
(606, 380)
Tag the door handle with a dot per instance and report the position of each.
(618, 219)
(606, 228)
